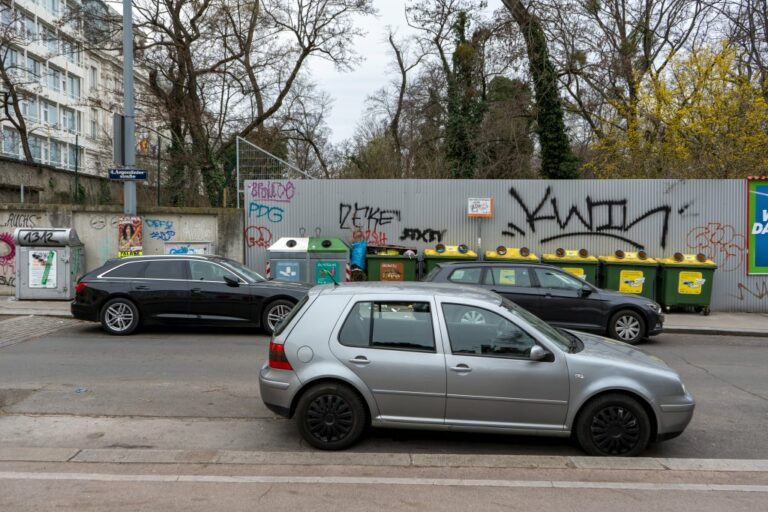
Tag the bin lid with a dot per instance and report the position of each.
(569, 256)
(322, 244)
(688, 260)
(451, 251)
(628, 258)
(511, 254)
(46, 237)
(290, 244)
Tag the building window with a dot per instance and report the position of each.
(29, 109)
(50, 114)
(74, 155)
(94, 123)
(55, 154)
(53, 6)
(36, 147)
(73, 86)
(30, 27)
(33, 70)
(10, 142)
(94, 77)
(54, 79)
(68, 119)
(50, 39)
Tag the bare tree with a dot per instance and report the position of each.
(17, 81)
(748, 29)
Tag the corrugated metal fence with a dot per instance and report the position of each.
(661, 216)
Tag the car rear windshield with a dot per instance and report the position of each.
(282, 324)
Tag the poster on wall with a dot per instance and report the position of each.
(757, 224)
(129, 237)
(42, 269)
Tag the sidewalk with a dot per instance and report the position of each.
(725, 324)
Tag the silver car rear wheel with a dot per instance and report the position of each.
(331, 416)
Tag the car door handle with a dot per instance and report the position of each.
(197, 290)
(461, 368)
(142, 287)
(360, 360)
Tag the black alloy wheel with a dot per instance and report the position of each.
(613, 425)
(330, 416)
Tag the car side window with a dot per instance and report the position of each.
(559, 280)
(479, 332)
(508, 276)
(133, 270)
(206, 271)
(466, 275)
(169, 269)
(389, 325)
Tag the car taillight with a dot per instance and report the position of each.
(277, 357)
(79, 287)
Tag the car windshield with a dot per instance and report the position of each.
(241, 269)
(550, 332)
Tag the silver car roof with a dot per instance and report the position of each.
(400, 288)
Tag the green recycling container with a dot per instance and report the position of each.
(686, 280)
(579, 263)
(630, 272)
(391, 266)
(328, 260)
(445, 253)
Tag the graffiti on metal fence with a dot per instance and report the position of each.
(258, 236)
(365, 216)
(603, 218)
(428, 235)
(371, 236)
(757, 291)
(276, 191)
(263, 211)
(721, 243)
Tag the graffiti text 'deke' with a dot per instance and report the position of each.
(366, 217)
(271, 213)
(258, 236)
(275, 191)
(606, 218)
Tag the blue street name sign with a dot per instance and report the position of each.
(127, 174)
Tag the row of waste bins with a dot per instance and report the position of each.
(682, 280)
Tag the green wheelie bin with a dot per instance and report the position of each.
(579, 263)
(686, 280)
(630, 272)
(444, 253)
(392, 264)
(328, 260)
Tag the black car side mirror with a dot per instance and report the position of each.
(231, 282)
(586, 290)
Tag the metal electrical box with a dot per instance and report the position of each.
(48, 263)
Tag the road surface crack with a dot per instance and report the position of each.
(725, 381)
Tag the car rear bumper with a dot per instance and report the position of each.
(278, 387)
(82, 312)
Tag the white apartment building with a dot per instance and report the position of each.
(71, 91)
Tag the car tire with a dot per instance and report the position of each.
(119, 316)
(274, 312)
(627, 326)
(331, 416)
(613, 425)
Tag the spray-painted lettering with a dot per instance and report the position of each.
(258, 236)
(21, 220)
(605, 218)
(271, 213)
(365, 217)
(276, 191)
(423, 235)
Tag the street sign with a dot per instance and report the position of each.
(127, 174)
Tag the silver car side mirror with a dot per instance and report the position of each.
(538, 353)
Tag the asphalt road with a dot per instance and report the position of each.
(198, 389)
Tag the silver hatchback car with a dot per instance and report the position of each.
(449, 357)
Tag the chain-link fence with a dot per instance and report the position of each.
(255, 163)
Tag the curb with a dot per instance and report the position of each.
(414, 460)
(715, 331)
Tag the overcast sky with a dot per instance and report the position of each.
(349, 90)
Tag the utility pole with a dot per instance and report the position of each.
(129, 142)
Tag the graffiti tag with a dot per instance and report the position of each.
(21, 220)
(721, 243)
(759, 291)
(276, 191)
(271, 213)
(367, 217)
(423, 235)
(257, 236)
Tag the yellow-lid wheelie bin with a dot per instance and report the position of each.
(445, 253)
(579, 263)
(686, 280)
(511, 254)
(392, 264)
(630, 272)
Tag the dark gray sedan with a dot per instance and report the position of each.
(560, 298)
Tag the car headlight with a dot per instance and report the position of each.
(654, 307)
